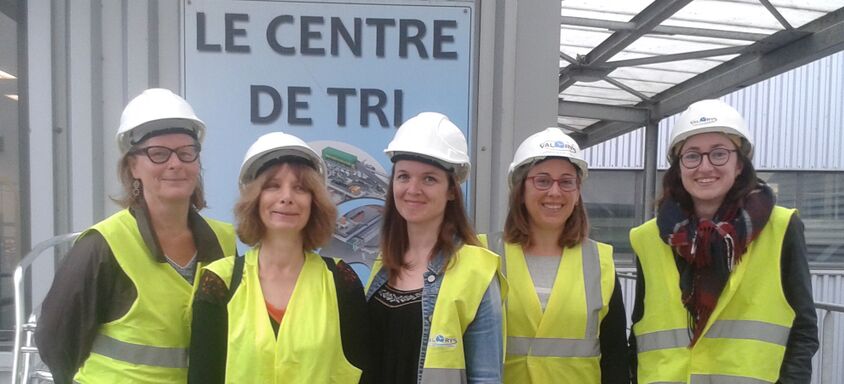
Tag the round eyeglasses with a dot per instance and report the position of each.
(717, 157)
(543, 182)
(160, 155)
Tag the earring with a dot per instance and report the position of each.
(136, 188)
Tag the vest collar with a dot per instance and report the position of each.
(207, 246)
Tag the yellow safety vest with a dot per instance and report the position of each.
(745, 338)
(149, 343)
(560, 345)
(308, 348)
(465, 281)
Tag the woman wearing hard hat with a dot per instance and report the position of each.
(118, 307)
(565, 316)
(280, 313)
(723, 293)
(434, 296)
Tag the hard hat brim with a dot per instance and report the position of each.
(249, 170)
(525, 165)
(461, 171)
(138, 134)
(746, 145)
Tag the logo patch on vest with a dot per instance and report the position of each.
(442, 341)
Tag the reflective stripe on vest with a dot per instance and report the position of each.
(140, 354)
(535, 346)
(721, 329)
(749, 329)
(724, 379)
(672, 338)
(588, 346)
(443, 375)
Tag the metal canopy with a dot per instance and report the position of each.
(624, 63)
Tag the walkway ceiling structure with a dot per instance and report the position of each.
(625, 63)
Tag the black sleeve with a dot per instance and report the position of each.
(614, 359)
(209, 331)
(354, 323)
(75, 306)
(797, 286)
(638, 312)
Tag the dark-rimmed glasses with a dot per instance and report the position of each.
(543, 182)
(160, 155)
(717, 157)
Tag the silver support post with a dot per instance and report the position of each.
(651, 147)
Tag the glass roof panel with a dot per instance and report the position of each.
(639, 68)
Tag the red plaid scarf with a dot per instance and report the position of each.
(706, 251)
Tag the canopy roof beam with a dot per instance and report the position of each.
(662, 29)
(602, 112)
(778, 53)
(645, 21)
(676, 57)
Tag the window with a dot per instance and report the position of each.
(614, 205)
(11, 229)
(819, 197)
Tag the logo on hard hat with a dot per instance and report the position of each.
(557, 144)
(703, 120)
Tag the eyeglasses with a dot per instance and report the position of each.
(160, 155)
(717, 157)
(543, 182)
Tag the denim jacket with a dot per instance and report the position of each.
(484, 340)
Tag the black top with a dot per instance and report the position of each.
(209, 333)
(613, 341)
(91, 289)
(396, 316)
(797, 286)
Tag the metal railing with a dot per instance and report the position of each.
(826, 328)
(24, 346)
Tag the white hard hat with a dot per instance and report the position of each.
(551, 142)
(433, 136)
(156, 109)
(273, 146)
(710, 116)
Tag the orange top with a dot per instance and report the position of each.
(276, 313)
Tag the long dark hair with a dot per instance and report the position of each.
(454, 229)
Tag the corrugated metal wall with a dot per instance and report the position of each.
(828, 286)
(796, 119)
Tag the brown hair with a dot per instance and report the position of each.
(455, 226)
(517, 224)
(672, 184)
(128, 199)
(323, 216)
